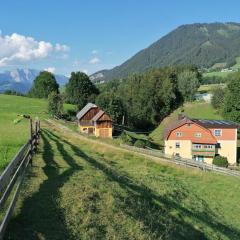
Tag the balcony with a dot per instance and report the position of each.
(203, 150)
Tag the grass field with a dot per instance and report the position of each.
(200, 110)
(13, 136)
(237, 65)
(210, 87)
(78, 189)
(217, 74)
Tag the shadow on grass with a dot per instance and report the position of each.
(155, 211)
(41, 216)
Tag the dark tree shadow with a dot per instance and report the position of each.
(41, 212)
(153, 210)
(41, 217)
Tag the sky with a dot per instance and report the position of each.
(62, 36)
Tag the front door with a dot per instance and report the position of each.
(200, 158)
(90, 131)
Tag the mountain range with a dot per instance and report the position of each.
(202, 45)
(21, 80)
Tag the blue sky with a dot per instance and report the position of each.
(95, 34)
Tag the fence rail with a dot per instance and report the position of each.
(12, 177)
(182, 161)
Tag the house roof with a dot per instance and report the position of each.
(215, 123)
(98, 115)
(208, 124)
(85, 110)
(175, 125)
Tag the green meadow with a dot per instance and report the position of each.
(85, 189)
(14, 135)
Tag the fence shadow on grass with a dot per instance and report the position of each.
(41, 216)
(153, 210)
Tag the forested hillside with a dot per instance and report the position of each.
(200, 44)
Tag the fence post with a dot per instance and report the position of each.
(36, 134)
(31, 140)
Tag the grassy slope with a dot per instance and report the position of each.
(195, 110)
(13, 136)
(81, 190)
(210, 87)
(217, 74)
(237, 65)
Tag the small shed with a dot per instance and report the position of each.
(103, 124)
(94, 121)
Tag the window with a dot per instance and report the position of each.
(208, 146)
(177, 144)
(198, 134)
(197, 146)
(189, 124)
(178, 134)
(217, 132)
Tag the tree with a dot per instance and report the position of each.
(43, 85)
(80, 89)
(231, 109)
(111, 104)
(55, 104)
(188, 84)
(218, 98)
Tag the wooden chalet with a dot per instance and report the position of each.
(93, 121)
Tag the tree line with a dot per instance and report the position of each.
(139, 101)
(226, 100)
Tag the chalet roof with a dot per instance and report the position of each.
(98, 115)
(215, 123)
(176, 124)
(221, 124)
(85, 110)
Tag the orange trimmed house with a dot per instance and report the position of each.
(93, 121)
(201, 140)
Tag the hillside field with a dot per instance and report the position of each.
(13, 136)
(200, 110)
(85, 189)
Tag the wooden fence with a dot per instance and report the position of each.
(12, 177)
(182, 161)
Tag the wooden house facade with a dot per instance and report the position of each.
(93, 121)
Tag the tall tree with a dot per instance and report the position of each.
(43, 85)
(111, 104)
(231, 108)
(218, 98)
(80, 89)
(55, 104)
(188, 84)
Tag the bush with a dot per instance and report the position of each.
(220, 161)
(127, 139)
(140, 144)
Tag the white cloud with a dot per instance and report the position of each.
(17, 48)
(62, 48)
(94, 51)
(94, 60)
(50, 69)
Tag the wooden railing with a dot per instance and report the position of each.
(182, 161)
(12, 177)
